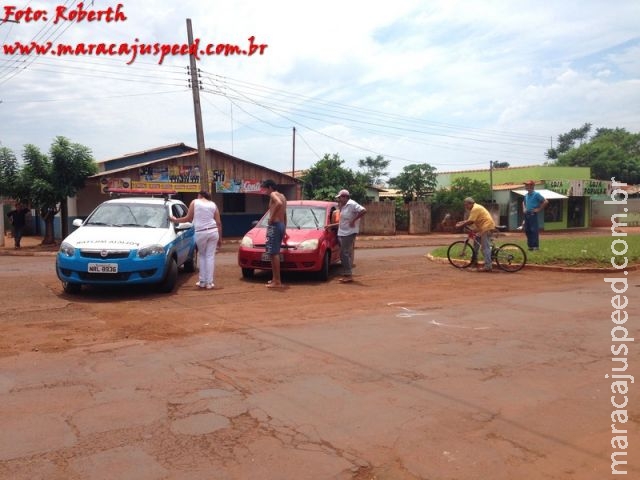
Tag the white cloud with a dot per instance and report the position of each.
(453, 83)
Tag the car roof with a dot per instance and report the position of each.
(310, 203)
(144, 200)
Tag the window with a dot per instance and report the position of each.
(553, 212)
(233, 202)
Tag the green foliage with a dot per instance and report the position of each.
(402, 215)
(375, 168)
(45, 182)
(416, 181)
(497, 164)
(8, 172)
(72, 164)
(576, 251)
(567, 141)
(609, 153)
(327, 177)
(449, 201)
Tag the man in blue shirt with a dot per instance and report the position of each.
(532, 204)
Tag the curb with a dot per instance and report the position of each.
(554, 268)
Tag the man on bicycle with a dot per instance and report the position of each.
(482, 223)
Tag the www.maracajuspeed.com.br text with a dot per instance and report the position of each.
(135, 49)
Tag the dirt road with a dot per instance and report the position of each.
(414, 371)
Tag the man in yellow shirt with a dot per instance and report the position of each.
(482, 223)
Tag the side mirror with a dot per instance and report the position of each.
(183, 226)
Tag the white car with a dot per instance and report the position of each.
(128, 241)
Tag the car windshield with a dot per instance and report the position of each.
(130, 215)
(301, 217)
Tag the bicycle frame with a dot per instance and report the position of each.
(507, 256)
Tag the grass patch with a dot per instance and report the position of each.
(574, 251)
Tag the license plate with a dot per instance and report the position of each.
(103, 268)
(266, 257)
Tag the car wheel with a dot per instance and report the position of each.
(192, 262)
(247, 272)
(323, 273)
(71, 288)
(168, 284)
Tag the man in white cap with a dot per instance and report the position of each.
(350, 212)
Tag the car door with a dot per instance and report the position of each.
(331, 234)
(185, 239)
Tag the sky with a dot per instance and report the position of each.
(455, 84)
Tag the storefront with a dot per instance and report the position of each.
(234, 183)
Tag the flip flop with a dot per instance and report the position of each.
(273, 285)
(346, 280)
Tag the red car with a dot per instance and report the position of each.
(312, 245)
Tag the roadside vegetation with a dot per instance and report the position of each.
(594, 252)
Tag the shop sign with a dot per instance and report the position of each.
(579, 188)
(239, 186)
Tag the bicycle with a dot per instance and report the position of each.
(508, 256)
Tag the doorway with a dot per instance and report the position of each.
(575, 212)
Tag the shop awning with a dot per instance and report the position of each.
(547, 194)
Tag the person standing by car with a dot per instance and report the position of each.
(350, 214)
(532, 203)
(204, 214)
(18, 219)
(482, 223)
(276, 231)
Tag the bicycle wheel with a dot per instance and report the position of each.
(460, 254)
(510, 257)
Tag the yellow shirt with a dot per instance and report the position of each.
(482, 220)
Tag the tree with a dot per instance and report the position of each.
(72, 164)
(609, 153)
(449, 201)
(416, 181)
(8, 172)
(47, 182)
(497, 164)
(374, 168)
(327, 177)
(567, 141)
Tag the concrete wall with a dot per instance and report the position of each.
(380, 219)
(419, 217)
(601, 213)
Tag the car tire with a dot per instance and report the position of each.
(71, 288)
(323, 273)
(171, 277)
(247, 272)
(192, 262)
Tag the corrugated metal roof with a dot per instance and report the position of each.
(143, 164)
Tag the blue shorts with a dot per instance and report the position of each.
(275, 234)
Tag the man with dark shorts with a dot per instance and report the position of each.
(276, 231)
(18, 219)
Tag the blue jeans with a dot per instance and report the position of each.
(484, 242)
(532, 230)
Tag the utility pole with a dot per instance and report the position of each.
(195, 88)
(293, 155)
(491, 179)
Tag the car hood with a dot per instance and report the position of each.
(117, 238)
(295, 236)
